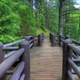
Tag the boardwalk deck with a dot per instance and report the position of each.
(46, 62)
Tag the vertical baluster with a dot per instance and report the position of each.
(39, 40)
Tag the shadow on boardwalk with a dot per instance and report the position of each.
(46, 62)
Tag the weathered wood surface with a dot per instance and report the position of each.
(46, 62)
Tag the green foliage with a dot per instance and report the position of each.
(42, 30)
(14, 16)
(53, 19)
(8, 21)
(72, 23)
(52, 10)
(27, 19)
(18, 18)
(8, 38)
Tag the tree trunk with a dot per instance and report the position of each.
(61, 17)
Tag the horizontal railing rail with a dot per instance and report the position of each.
(7, 63)
(15, 58)
(13, 43)
(76, 42)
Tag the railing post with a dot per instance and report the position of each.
(26, 58)
(61, 37)
(52, 39)
(59, 40)
(39, 40)
(1, 53)
(1, 58)
(66, 54)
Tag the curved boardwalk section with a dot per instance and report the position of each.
(46, 62)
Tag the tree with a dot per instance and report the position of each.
(8, 20)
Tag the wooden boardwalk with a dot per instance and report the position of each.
(46, 62)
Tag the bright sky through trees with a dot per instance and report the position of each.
(47, 0)
(77, 5)
(78, 1)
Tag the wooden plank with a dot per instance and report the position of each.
(46, 62)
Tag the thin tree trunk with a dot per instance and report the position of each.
(61, 17)
(46, 17)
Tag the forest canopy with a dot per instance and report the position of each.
(31, 17)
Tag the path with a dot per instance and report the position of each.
(46, 62)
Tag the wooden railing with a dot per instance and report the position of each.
(71, 59)
(15, 58)
(40, 39)
(52, 38)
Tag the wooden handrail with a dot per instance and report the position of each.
(17, 53)
(74, 67)
(76, 42)
(70, 75)
(9, 54)
(6, 64)
(14, 43)
(22, 77)
(69, 62)
(71, 53)
(52, 38)
(11, 48)
(40, 39)
(18, 72)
